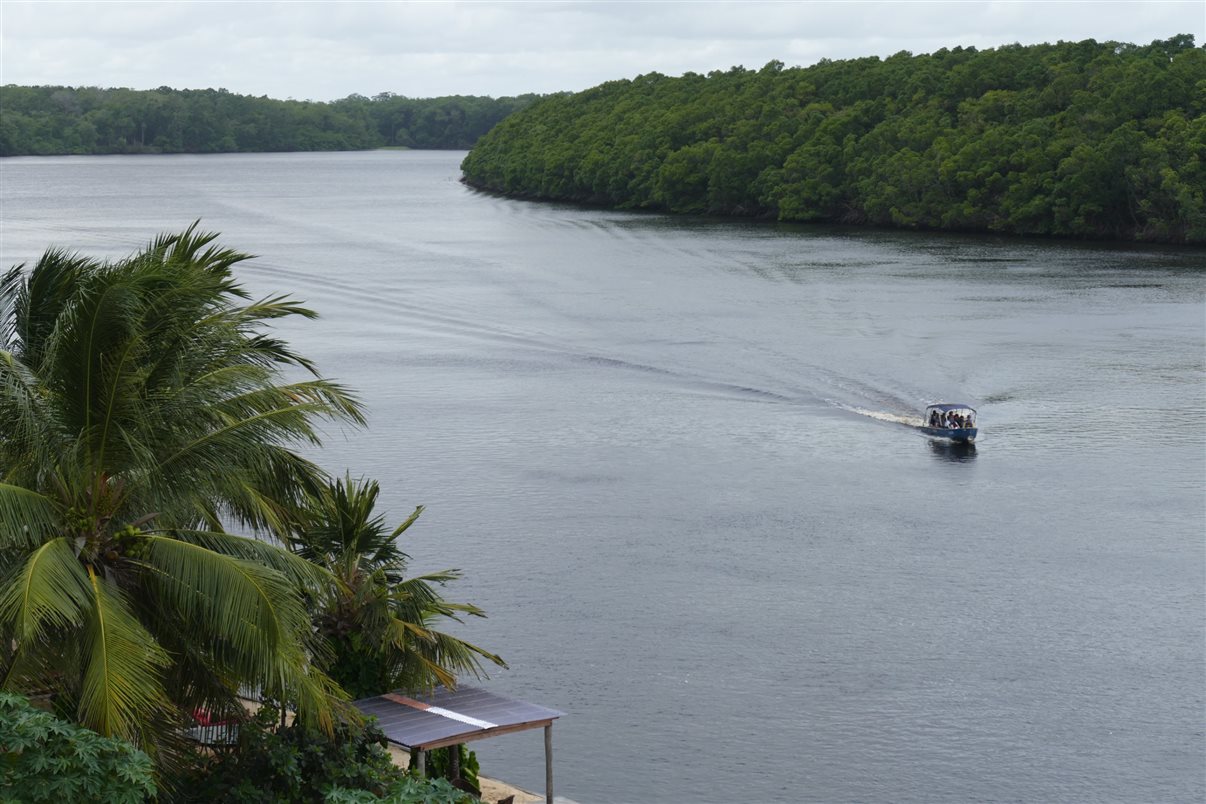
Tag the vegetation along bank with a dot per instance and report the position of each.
(51, 121)
(1076, 139)
(167, 551)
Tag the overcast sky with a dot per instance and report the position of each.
(326, 50)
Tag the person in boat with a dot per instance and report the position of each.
(933, 418)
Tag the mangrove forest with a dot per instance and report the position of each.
(53, 120)
(1076, 139)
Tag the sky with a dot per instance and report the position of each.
(328, 49)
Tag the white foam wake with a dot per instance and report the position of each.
(896, 418)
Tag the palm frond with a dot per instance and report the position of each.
(47, 591)
(288, 414)
(252, 608)
(29, 431)
(410, 520)
(121, 689)
(266, 494)
(464, 657)
(428, 658)
(186, 250)
(12, 284)
(95, 325)
(37, 302)
(253, 616)
(416, 597)
(304, 574)
(339, 525)
(339, 521)
(27, 518)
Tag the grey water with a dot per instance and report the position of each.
(674, 459)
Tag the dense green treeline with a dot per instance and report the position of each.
(87, 120)
(1081, 139)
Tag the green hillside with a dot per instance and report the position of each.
(1078, 139)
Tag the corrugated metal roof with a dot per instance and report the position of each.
(448, 716)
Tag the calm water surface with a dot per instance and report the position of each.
(674, 459)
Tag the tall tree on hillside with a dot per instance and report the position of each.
(143, 406)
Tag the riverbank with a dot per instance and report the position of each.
(493, 790)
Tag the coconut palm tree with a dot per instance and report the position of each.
(379, 622)
(144, 411)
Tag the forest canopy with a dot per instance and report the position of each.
(52, 120)
(1078, 139)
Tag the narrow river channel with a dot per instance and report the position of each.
(674, 458)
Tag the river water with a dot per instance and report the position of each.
(674, 459)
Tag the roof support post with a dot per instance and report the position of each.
(417, 758)
(548, 764)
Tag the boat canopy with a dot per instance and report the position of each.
(947, 406)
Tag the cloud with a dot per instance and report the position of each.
(327, 50)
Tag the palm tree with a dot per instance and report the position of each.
(379, 622)
(142, 406)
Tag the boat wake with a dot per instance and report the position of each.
(883, 416)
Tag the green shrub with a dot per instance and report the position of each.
(439, 766)
(295, 764)
(410, 790)
(45, 759)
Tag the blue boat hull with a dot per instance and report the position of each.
(966, 435)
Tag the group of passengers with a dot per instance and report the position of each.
(952, 420)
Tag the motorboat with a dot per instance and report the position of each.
(954, 421)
